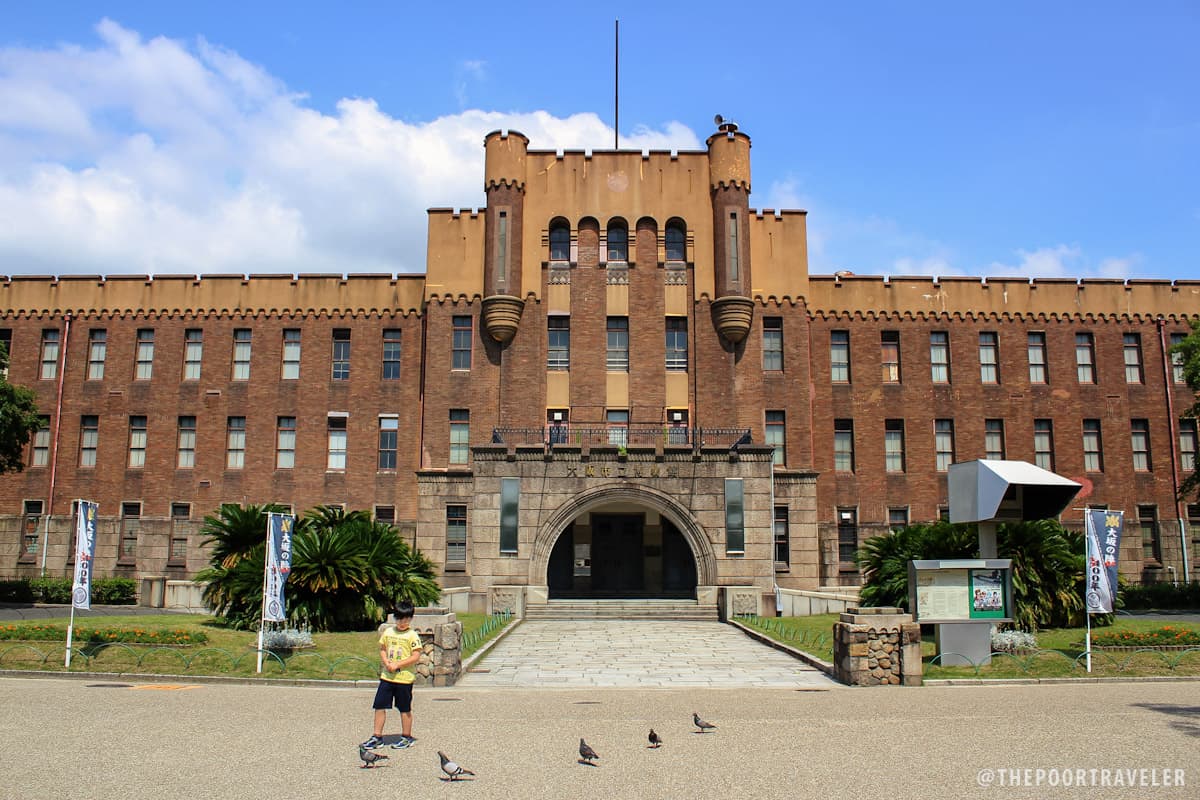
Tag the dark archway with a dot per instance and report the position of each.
(617, 555)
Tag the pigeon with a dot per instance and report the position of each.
(452, 769)
(704, 727)
(655, 739)
(369, 757)
(586, 752)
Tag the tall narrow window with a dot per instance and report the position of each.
(558, 343)
(391, 354)
(1187, 444)
(1193, 523)
(510, 514)
(456, 537)
(49, 369)
(461, 343)
(285, 443)
(839, 356)
(137, 442)
(33, 513)
(1140, 439)
(775, 435)
(989, 357)
(1177, 375)
(241, 354)
(560, 241)
(89, 439)
(558, 425)
(290, 367)
(847, 521)
(893, 445)
(783, 545)
(144, 355)
(131, 525)
(41, 443)
(943, 443)
(735, 516)
(97, 347)
(618, 241)
(677, 426)
(341, 354)
(185, 443)
(677, 344)
(676, 241)
(772, 343)
(1043, 443)
(460, 435)
(389, 431)
(939, 356)
(1132, 343)
(336, 430)
(1093, 452)
(502, 246)
(843, 445)
(180, 514)
(617, 423)
(734, 268)
(897, 518)
(1036, 348)
(1085, 358)
(889, 355)
(6, 347)
(1151, 544)
(993, 439)
(235, 442)
(617, 359)
(193, 353)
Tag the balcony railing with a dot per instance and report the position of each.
(636, 434)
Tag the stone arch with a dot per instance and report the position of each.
(693, 533)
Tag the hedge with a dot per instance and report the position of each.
(105, 591)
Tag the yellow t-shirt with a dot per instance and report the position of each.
(400, 645)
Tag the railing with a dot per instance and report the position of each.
(645, 434)
(473, 640)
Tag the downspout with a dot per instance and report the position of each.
(1171, 425)
(62, 374)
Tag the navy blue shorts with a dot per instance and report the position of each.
(390, 693)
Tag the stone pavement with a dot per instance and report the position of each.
(641, 653)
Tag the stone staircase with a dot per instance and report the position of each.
(634, 609)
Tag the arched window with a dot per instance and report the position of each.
(560, 240)
(618, 240)
(676, 241)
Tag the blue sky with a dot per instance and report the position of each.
(1024, 139)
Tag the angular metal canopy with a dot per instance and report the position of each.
(986, 490)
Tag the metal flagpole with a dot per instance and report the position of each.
(71, 624)
(262, 612)
(1087, 612)
(616, 84)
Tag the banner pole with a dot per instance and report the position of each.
(1087, 613)
(70, 631)
(262, 611)
(71, 624)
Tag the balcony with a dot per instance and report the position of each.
(633, 435)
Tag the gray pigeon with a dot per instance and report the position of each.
(586, 752)
(452, 769)
(704, 727)
(369, 757)
(655, 739)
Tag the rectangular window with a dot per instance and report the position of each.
(32, 524)
(943, 443)
(677, 344)
(235, 442)
(617, 423)
(775, 434)
(843, 445)
(341, 354)
(391, 354)
(290, 369)
(180, 514)
(1187, 445)
(1037, 357)
(677, 426)
(783, 546)
(461, 357)
(241, 355)
(460, 435)
(385, 514)
(389, 431)
(558, 344)
(734, 271)
(989, 357)
(337, 436)
(1043, 443)
(193, 352)
(137, 442)
(49, 369)
(993, 439)
(889, 355)
(6, 346)
(1151, 545)
(897, 518)
(502, 247)
(893, 445)
(131, 525)
(89, 439)
(1177, 375)
(1140, 439)
(1085, 358)
(185, 447)
(617, 359)
(40, 455)
(558, 425)
(456, 537)
(735, 516)
(1093, 454)
(97, 349)
(1193, 522)
(839, 356)
(939, 356)
(772, 343)
(144, 355)
(847, 522)
(510, 510)
(285, 443)
(1133, 358)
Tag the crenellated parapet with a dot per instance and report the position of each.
(504, 159)
(729, 159)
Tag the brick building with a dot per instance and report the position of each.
(617, 380)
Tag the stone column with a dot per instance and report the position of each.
(877, 647)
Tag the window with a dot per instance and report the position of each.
(993, 439)
(677, 426)
(617, 422)
(502, 247)
(1133, 358)
(677, 344)
(735, 516)
(676, 241)
(235, 442)
(290, 370)
(1085, 358)
(89, 439)
(839, 356)
(557, 420)
(1151, 546)
(1177, 359)
(847, 522)
(185, 447)
(1193, 521)
(618, 241)
(560, 241)
(783, 547)
(461, 357)
(732, 256)
(285, 442)
(335, 428)
(889, 355)
(893, 445)
(137, 442)
(939, 356)
(389, 430)
(989, 357)
(1093, 456)
(1036, 348)
(456, 537)
(241, 355)
(29, 544)
(144, 355)
(460, 435)
(385, 514)
(510, 511)
(843, 445)
(49, 355)
(41, 443)
(1140, 435)
(97, 347)
(180, 514)
(897, 518)
(193, 351)
(943, 443)
(618, 344)
(776, 436)
(6, 346)
(1043, 443)
(391, 354)
(558, 348)
(341, 354)
(1187, 444)
(131, 524)
(772, 343)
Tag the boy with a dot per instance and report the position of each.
(399, 649)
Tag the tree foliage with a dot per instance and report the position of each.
(1188, 352)
(18, 419)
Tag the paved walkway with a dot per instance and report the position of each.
(578, 653)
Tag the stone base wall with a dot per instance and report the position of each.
(877, 647)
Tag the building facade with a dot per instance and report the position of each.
(616, 380)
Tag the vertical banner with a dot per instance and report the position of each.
(1103, 530)
(279, 564)
(85, 551)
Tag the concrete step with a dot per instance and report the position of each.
(652, 609)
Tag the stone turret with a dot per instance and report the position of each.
(729, 186)
(504, 184)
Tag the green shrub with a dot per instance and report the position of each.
(39, 632)
(17, 591)
(114, 591)
(1161, 595)
(51, 590)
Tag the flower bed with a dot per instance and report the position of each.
(1166, 636)
(58, 633)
